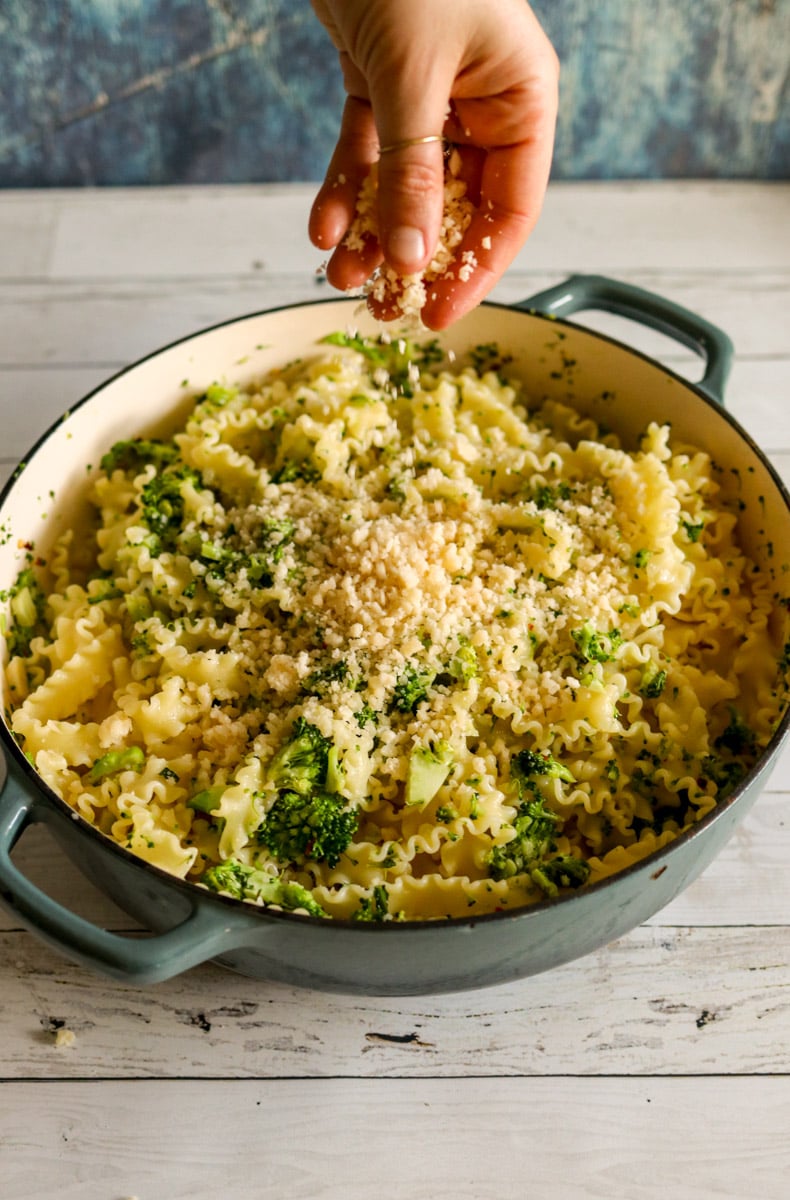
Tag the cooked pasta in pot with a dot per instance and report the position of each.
(381, 638)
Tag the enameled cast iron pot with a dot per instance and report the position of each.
(621, 388)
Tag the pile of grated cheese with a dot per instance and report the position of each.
(403, 297)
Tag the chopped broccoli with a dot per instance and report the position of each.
(530, 853)
(291, 470)
(596, 647)
(27, 605)
(564, 870)
(464, 665)
(236, 879)
(136, 452)
(429, 766)
(316, 827)
(320, 681)
(640, 557)
(534, 829)
(693, 530)
(527, 763)
(725, 774)
(653, 681)
(737, 737)
(548, 497)
(306, 821)
(163, 504)
(300, 764)
(412, 687)
(366, 715)
(375, 907)
(130, 759)
(208, 800)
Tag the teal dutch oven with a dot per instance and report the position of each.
(601, 377)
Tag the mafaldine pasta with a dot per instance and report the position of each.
(381, 638)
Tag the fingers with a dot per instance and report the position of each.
(512, 188)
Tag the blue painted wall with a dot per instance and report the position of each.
(172, 91)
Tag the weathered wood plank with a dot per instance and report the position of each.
(611, 227)
(341, 1139)
(659, 1001)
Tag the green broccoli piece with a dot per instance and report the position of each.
(316, 827)
(163, 504)
(549, 497)
(130, 759)
(229, 876)
(737, 737)
(564, 870)
(693, 530)
(292, 470)
(726, 774)
(320, 681)
(464, 665)
(525, 765)
(534, 828)
(412, 687)
(429, 766)
(366, 715)
(375, 907)
(641, 557)
(236, 879)
(300, 764)
(653, 681)
(27, 606)
(206, 801)
(306, 821)
(596, 647)
(136, 452)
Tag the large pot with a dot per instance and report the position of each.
(602, 377)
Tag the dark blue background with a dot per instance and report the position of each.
(185, 91)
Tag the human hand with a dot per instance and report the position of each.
(482, 74)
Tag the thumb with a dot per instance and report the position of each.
(411, 170)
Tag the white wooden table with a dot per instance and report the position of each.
(659, 1066)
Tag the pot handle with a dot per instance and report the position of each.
(201, 936)
(581, 292)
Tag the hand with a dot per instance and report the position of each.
(483, 73)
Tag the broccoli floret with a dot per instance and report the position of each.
(27, 605)
(135, 453)
(236, 879)
(130, 759)
(306, 821)
(163, 504)
(229, 876)
(411, 687)
(641, 557)
(564, 870)
(366, 715)
(725, 774)
(530, 853)
(300, 765)
(316, 827)
(593, 646)
(534, 828)
(653, 681)
(525, 765)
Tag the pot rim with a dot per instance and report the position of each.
(193, 890)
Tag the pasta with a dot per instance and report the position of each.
(381, 638)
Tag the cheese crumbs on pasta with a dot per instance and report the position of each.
(373, 640)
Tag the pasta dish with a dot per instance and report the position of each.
(381, 637)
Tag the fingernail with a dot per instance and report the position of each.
(406, 244)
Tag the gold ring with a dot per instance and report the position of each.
(419, 141)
